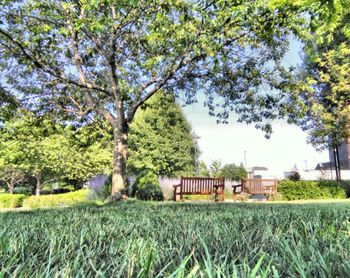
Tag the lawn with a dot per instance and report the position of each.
(148, 239)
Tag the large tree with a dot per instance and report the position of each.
(161, 139)
(107, 57)
(320, 95)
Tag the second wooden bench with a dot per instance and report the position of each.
(255, 187)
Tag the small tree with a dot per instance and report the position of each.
(203, 170)
(233, 172)
(11, 176)
(215, 168)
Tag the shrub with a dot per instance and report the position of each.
(107, 188)
(11, 200)
(147, 187)
(243, 197)
(303, 190)
(26, 190)
(346, 185)
(66, 199)
(274, 197)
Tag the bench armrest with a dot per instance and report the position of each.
(176, 185)
(235, 187)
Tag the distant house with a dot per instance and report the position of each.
(344, 158)
(258, 172)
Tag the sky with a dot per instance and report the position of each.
(239, 143)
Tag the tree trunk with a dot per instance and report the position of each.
(337, 163)
(119, 160)
(10, 187)
(38, 185)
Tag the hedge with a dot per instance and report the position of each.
(304, 190)
(57, 200)
(11, 200)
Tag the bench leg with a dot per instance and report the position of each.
(234, 196)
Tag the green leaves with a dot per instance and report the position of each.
(45, 149)
(160, 139)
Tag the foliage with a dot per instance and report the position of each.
(274, 197)
(319, 96)
(203, 170)
(304, 190)
(49, 151)
(57, 200)
(228, 171)
(243, 197)
(11, 200)
(147, 187)
(178, 240)
(233, 172)
(160, 139)
(8, 104)
(107, 58)
(10, 175)
(215, 169)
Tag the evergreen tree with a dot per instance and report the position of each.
(161, 139)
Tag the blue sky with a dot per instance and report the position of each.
(228, 142)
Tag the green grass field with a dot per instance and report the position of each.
(137, 239)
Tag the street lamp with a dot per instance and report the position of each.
(196, 154)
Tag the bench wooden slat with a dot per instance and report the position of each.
(256, 186)
(200, 186)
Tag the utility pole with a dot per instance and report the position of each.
(196, 153)
(336, 162)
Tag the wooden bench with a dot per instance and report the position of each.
(255, 187)
(200, 186)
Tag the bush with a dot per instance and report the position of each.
(304, 190)
(274, 197)
(11, 200)
(26, 190)
(243, 197)
(147, 187)
(66, 199)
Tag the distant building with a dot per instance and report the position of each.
(260, 172)
(344, 155)
(344, 158)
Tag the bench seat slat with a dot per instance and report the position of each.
(200, 186)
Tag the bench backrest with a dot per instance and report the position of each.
(200, 185)
(259, 185)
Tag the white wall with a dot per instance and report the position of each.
(324, 174)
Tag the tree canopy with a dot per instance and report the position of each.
(39, 147)
(233, 172)
(108, 57)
